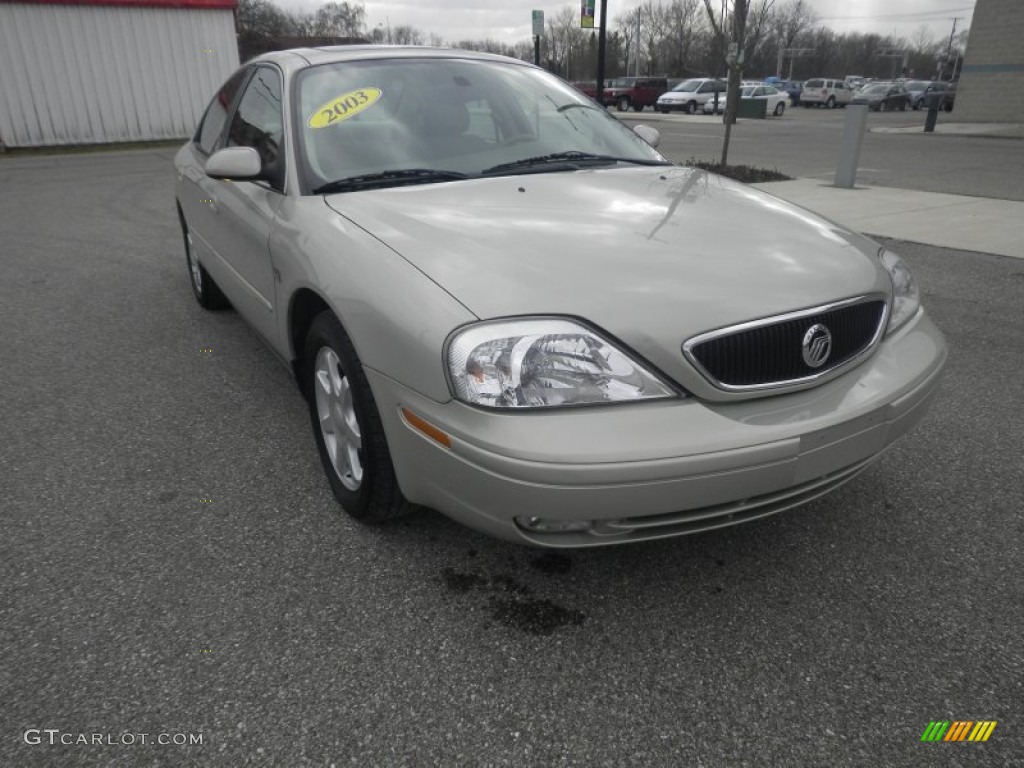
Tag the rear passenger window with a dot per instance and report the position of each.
(213, 121)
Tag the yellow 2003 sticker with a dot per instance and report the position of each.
(345, 106)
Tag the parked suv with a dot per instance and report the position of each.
(635, 92)
(826, 92)
(691, 95)
(920, 90)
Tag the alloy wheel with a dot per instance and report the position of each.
(193, 265)
(338, 423)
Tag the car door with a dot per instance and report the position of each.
(705, 93)
(192, 193)
(246, 210)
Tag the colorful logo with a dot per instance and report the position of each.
(958, 730)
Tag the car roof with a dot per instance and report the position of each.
(301, 58)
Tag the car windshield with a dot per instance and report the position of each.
(688, 85)
(916, 85)
(419, 120)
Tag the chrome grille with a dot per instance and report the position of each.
(769, 353)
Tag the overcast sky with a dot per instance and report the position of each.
(509, 20)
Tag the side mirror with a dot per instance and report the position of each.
(648, 134)
(235, 164)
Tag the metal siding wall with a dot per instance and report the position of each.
(94, 74)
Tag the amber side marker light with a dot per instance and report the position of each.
(428, 429)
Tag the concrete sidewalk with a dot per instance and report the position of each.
(952, 221)
(991, 130)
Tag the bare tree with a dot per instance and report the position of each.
(682, 23)
(337, 20)
(407, 35)
(565, 40)
(789, 22)
(921, 41)
(261, 18)
(730, 23)
(627, 32)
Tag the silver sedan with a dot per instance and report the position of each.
(501, 303)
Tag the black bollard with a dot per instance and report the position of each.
(933, 114)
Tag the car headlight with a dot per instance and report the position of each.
(543, 363)
(906, 298)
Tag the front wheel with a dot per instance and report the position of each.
(779, 109)
(638, 107)
(663, 111)
(347, 426)
(623, 104)
(691, 108)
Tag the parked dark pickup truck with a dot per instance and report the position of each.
(635, 92)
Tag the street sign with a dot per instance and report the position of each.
(538, 23)
(587, 14)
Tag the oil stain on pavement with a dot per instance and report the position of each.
(512, 603)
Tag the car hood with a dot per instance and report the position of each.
(651, 255)
(677, 95)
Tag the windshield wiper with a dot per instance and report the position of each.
(567, 160)
(389, 179)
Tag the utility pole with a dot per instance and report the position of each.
(949, 48)
(601, 51)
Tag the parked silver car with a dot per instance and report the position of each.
(500, 302)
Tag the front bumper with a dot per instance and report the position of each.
(648, 471)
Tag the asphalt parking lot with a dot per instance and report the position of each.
(806, 142)
(172, 560)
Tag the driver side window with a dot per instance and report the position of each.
(212, 124)
(259, 123)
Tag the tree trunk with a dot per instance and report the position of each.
(739, 30)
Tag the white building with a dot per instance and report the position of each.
(97, 71)
(991, 88)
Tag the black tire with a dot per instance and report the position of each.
(663, 111)
(377, 497)
(917, 105)
(691, 108)
(831, 103)
(207, 294)
(903, 106)
(622, 104)
(638, 107)
(779, 109)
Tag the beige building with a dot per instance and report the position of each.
(991, 88)
(102, 71)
